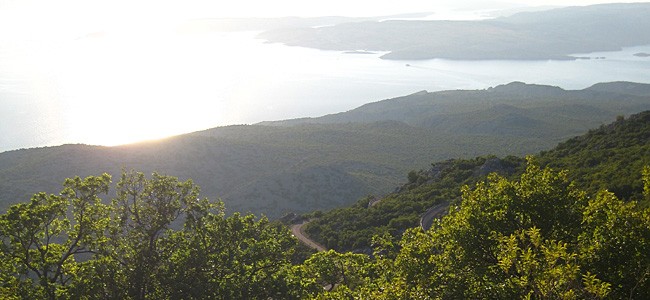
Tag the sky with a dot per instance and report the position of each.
(160, 9)
(19, 18)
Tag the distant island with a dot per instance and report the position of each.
(556, 34)
(642, 54)
(359, 52)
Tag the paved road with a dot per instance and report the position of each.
(435, 211)
(298, 232)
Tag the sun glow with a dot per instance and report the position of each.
(126, 88)
(115, 72)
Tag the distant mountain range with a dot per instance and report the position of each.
(553, 34)
(311, 164)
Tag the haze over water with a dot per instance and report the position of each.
(124, 85)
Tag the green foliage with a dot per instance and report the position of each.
(74, 246)
(491, 219)
(646, 186)
(331, 268)
(538, 237)
(352, 228)
(610, 157)
(43, 239)
(615, 244)
(519, 232)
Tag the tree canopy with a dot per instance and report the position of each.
(155, 240)
(537, 236)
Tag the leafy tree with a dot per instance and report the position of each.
(156, 240)
(143, 213)
(44, 240)
(615, 245)
(646, 186)
(352, 228)
(9, 284)
(538, 237)
(237, 257)
(332, 268)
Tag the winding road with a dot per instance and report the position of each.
(435, 211)
(298, 232)
(426, 221)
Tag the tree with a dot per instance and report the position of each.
(646, 186)
(615, 245)
(236, 257)
(142, 215)
(331, 268)
(43, 241)
(537, 237)
(156, 240)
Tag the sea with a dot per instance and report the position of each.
(112, 89)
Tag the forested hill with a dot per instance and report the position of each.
(515, 108)
(334, 160)
(610, 157)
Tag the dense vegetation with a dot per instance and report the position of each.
(352, 228)
(610, 157)
(322, 163)
(528, 233)
(514, 229)
(74, 246)
(535, 237)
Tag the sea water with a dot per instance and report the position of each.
(108, 89)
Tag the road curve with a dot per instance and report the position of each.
(435, 211)
(298, 232)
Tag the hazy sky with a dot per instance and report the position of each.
(80, 9)
(46, 17)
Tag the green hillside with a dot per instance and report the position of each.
(611, 157)
(323, 163)
(535, 235)
(538, 111)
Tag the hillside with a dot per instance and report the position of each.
(553, 34)
(511, 109)
(611, 157)
(535, 235)
(322, 163)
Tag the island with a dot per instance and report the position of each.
(556, 34)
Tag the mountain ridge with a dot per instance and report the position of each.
(273, 170)
(611, 157)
